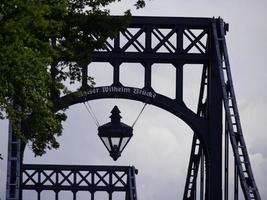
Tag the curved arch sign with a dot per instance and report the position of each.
(178, 108)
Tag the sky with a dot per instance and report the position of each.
(161, 143)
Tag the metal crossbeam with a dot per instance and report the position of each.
(168, 40)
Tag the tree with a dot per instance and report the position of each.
(42, 43)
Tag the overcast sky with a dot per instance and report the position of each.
(161, 143)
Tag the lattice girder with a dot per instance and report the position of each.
(75, 178)
(159, 39)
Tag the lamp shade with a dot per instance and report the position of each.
(115, 135)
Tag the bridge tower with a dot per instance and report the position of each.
(151, 40)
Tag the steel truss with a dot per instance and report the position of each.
(56, 178)
(148, 41)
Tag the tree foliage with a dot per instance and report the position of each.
(42, 44)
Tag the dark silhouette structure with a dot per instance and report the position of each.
(150, 40)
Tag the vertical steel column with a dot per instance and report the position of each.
(242, 161)
(38, 195)
(84, 76)
(226, 162)
(116, 73)
(235, 181)
(74, 195)
(92, 196)
(13, 191)
(201, 190)
(148, 40)
(196, 156)
(147, 66)
(214, 157)
(179, 82)
(56, 195)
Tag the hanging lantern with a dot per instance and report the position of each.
(115, 135)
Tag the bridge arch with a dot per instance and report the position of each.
(161, 140)
(198, 124)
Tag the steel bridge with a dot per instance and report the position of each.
(216, 122)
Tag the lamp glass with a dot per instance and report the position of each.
(124, 142)
(115, 141)
(106, 142)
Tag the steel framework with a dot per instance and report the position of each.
(79, 178)
(178, 42)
